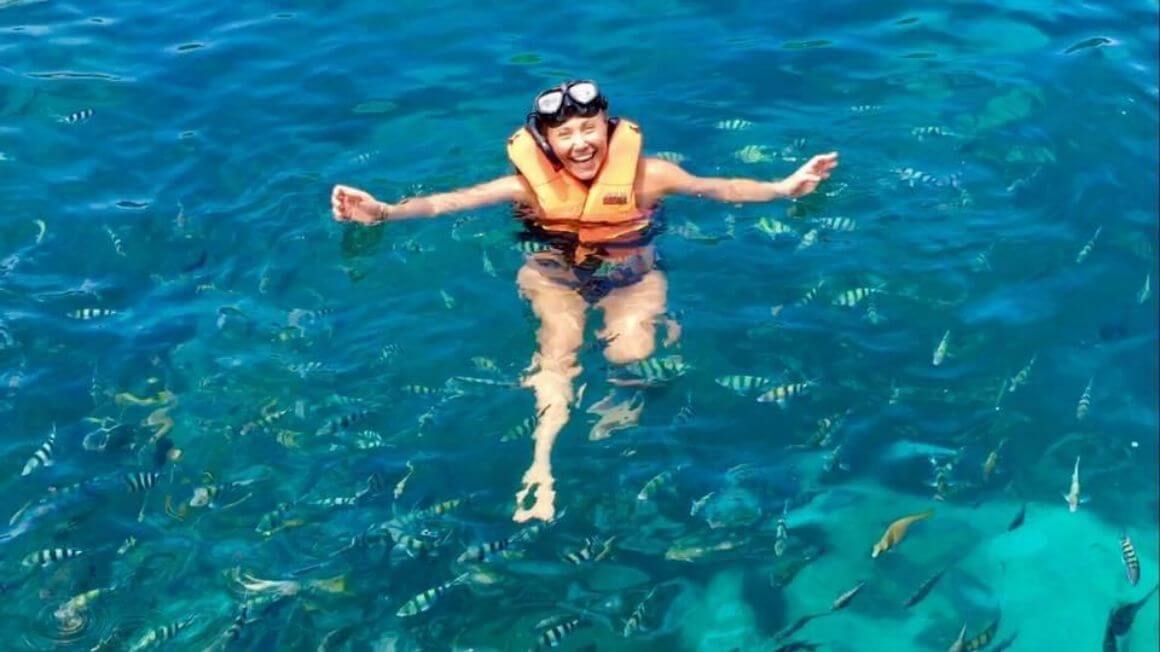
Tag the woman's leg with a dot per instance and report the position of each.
(561, 312)
(631, 314)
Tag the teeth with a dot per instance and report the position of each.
(583, 160)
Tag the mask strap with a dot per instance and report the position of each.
(533, 127)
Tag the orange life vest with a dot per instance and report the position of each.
(601, 212)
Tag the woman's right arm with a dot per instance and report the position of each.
(360, 206)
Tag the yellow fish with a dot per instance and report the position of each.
(896, 531)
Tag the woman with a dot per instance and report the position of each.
(582, 185)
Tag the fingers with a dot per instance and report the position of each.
(338, 203)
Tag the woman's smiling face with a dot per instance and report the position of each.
(581, 143)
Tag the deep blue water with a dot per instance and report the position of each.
(982, 146)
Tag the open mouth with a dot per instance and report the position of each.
(584, 159)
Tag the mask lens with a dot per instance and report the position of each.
(583, 92)
(549, 103)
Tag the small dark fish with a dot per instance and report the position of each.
(923, 589)
(1089, 43)
(1131, 561)
(1018, 520)
(553, 636)
(197, 262)
(844, 600)
(76, 117)
(798, 624)
(794, 646)
(983, 638)
(1120, 621)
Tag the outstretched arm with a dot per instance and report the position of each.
(674, 180)
(349, 203)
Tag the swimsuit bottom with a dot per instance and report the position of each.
(597, 275)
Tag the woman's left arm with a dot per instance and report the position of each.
(670, 178)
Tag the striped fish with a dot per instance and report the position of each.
(1020, 378)
(342, 422)
(521, 430)
(139, 481)
(783, 393)
(208, 495)
(437, 509)
(529, 247)
(827, 427)
(304, 369)
(1131, 561)
(76, 117)
(842, 601)
(699, 504)
(983, 638)
(485, 552)
(88, 314)
(118, 245)
(854, 296)
(865, 108)
(485, 364)
(412, 545)
(1085, 402)
(49, 556)
(424, 601)
(837, 223)
(276, 520)
(421, 390)
(448, 300)
(389, 352)
(43, 455)
(923, 132)
(735, 124)
(555, 635)
(671, 157)
(940, 352)
(923, 589)
(453, 382)
(654, 371)
(633, 624)
(1145, 291)
(593, 550)
(754, 154)
(159, 635)
(772, 227)
(80, 602)
(368, 439)
(743, 385)
(335, 501)
(1087, 248)
(781, 532)
(655, 484)
(810, 294)
(401, 485)
(808, 240)
(263, 423)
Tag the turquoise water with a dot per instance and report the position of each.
(983, 145)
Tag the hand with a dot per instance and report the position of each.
(808, 176)
(348, 203)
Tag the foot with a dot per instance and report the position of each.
(537, 479)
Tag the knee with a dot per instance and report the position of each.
(630, 345)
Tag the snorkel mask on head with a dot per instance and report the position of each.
(578, 98)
